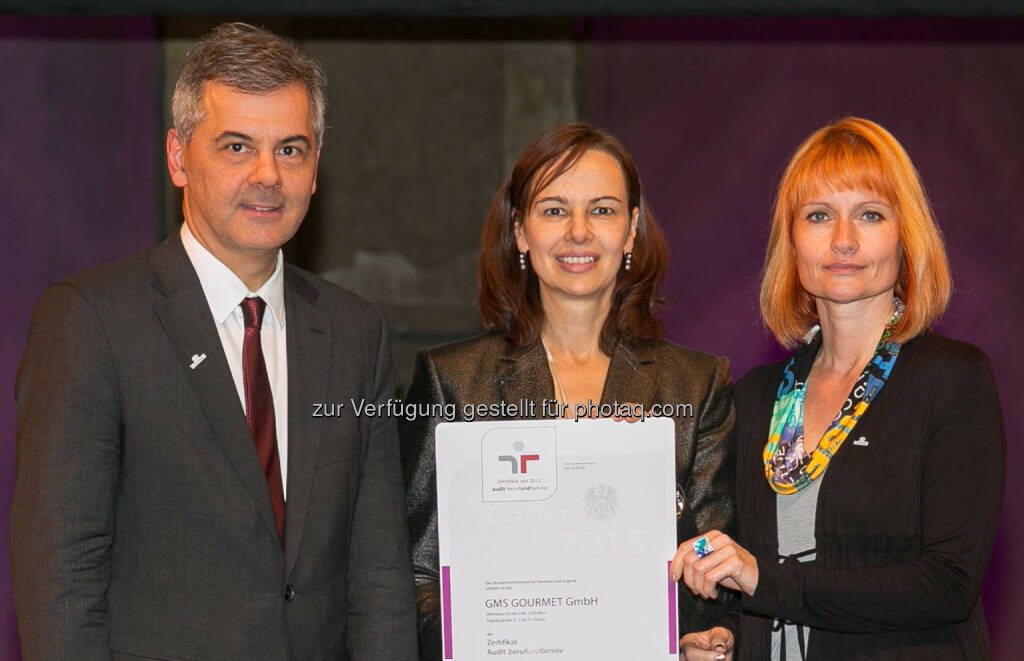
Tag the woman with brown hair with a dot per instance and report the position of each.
(870, 463)
(570, 266)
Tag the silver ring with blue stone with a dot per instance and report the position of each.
(702, 547)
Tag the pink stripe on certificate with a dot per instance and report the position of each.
(673, 621)
(446, 600)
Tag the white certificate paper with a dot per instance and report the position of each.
(555, 538)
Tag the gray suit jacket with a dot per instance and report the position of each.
(141, 525)
(488, 369)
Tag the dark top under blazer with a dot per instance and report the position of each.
(488, 369)
(141, 525)
(905, 523)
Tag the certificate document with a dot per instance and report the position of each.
(555, 538)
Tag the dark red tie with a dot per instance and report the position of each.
(259, 406)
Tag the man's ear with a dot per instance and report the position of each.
(176, 159)
(316, 170)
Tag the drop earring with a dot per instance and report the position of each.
(522, 261)
(629, 258)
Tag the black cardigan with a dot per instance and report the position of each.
(905, 523)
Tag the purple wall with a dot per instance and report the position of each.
(712, 110)
(78, 125)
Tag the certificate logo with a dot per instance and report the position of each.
(518, 463)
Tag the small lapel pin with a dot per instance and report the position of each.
(196, 359)
(863, 442)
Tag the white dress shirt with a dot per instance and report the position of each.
(224, 293)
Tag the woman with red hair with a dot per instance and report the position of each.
(870, 463)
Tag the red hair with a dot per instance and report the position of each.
(855, 153)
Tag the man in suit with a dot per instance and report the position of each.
(177, 496)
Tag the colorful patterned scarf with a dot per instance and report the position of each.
(786, 465)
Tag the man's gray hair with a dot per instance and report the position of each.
(249, 59)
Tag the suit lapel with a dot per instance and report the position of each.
(630, 379)
(309, 341)
(184, 314)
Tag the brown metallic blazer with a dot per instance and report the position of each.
(488, 369)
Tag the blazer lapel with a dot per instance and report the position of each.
(524, 375)
(184, 314)
(630, 379)
(764, 508)
(309, 360)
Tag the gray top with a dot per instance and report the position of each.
(796, 513)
